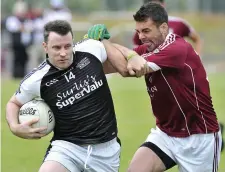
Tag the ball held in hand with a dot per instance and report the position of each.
(38, 109)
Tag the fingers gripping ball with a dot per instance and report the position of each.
(38, 109)
(98, 32)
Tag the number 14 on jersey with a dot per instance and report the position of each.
(69, 76)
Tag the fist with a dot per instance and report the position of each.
(137, 66)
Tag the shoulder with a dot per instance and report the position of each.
(171, 53)
(179, 20)
(172, 40)
(96, 48)
(84, 43)
(174, 45)
(30, 86)
(36, 75)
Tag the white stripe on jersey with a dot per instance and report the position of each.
(30, 86)
(192, 75)
(170, 38)
(176, 101)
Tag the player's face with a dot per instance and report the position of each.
(59, 49)
(150, 34)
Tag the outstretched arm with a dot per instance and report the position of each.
(117, 57)
(116, 62)
(136, 64)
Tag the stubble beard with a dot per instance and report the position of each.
(158, 41)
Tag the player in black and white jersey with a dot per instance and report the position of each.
(72, 82)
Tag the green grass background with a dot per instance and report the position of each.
(134, 117)
(131, 101)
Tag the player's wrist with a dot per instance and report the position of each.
(131, 55)
(14, 128)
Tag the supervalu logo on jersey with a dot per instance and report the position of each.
(78, 90)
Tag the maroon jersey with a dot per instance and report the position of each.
(176, 25)
(179, 91)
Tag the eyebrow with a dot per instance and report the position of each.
(143, 29)
(61, 45)
(56, 46)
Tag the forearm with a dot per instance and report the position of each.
(12, 113)
(129, 54)
(108, 68)
(116, 58)
(124, 50)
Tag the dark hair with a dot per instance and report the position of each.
(154, 11)
(61, 27)
(147, 1)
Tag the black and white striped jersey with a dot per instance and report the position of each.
(79, 96)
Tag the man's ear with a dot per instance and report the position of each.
(163, 28)
(44, 44)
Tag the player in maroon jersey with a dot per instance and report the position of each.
(178, 26)
(187, 132)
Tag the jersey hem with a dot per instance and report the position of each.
(84, 142)
(185, 134)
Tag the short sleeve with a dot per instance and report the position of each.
(25, 93)
(172, 55)
(102, 51)
(93, 47)
(30, 86)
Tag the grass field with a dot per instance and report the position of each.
(134, 120)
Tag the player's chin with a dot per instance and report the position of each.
(63, 65)
(151, 46)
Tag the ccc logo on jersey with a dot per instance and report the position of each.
(53, 81)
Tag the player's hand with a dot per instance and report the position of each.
(25, 131)
(137, 66)
(98, 32)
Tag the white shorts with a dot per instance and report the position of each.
(103, 157)
(198, 152)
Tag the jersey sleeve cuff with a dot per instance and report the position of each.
(153, 66)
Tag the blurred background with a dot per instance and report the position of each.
(21, 50)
